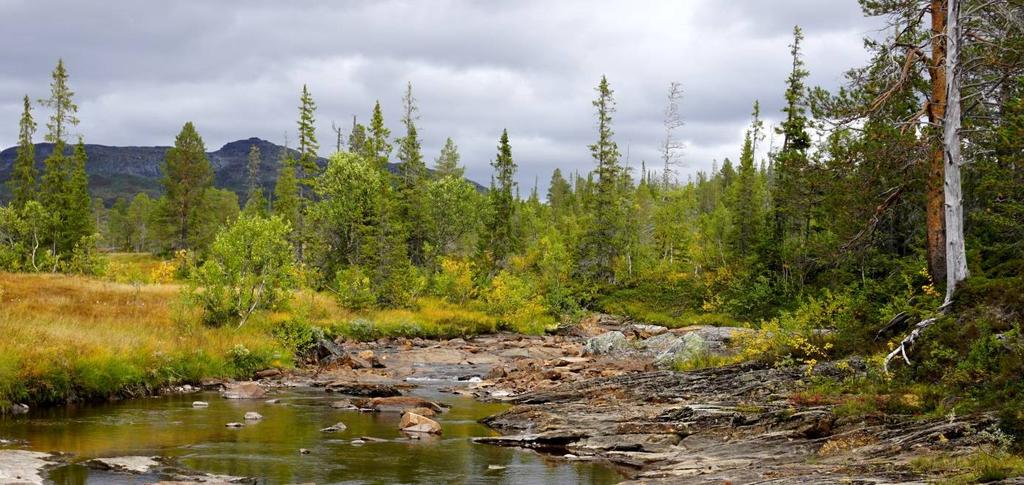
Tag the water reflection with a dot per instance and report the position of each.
(198, 439)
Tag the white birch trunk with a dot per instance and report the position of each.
(956, 256)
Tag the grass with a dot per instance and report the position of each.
(981, 466)
(70, 338)
(433, 318)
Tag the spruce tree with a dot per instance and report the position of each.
(255, 202)
(447, 163)
(286, 194)
(23, 172)
(307, 168)
(187, 177)
(80, 221)
(499, 238)
(602, 244)
(56, 187)
(376, 147)
(357, 137)
(791, 162)
(413, 182)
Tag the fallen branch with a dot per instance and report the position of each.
(908, 341)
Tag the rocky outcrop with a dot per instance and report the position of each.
(415, 423)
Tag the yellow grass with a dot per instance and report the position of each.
(69, 337)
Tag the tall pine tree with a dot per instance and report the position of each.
(602, 243)
(187, 177)
(24, 173)
(255, 202)
(447, 163)
(375, 146)
(413, 182)
(499, 239)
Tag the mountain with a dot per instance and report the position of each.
(125, 171)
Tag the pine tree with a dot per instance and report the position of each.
(602, 244)
(499, 238)
(56, 188)
(187, 177)
(357, 137)
(559, 194)
(447, 163)
(307, 168)
(255, 202)
(791, 162)
(744, 200)
(413, 182)
(376, 147)
(286, 194)
(23, 172)
(80, 217)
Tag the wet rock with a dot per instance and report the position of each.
(303, 451)
(343, 404)
(496, 372)
(423, 412)
(613, 342)
(18, 408)
(130, 464)
(651, 443)
(234, 425)
(272, 401)
(243, 390)
(337, 427)
(200, 404)
(365, 389)
(397, 404)
(253, 416)
(357, 442)
(412, 422)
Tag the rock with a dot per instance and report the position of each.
(501, 393)
(371, 359)
(423, 412)
(365, 389)
(326, 351)
(234, 425)
(303, 451)
(20, 466)
(613, 342)
(253, 416)
(668, 349)
(496, 372)
(272, 401)
(495, 467)
(130, 464)
(17, 408)
(343, 404)
(642, 331)
(335, 428)
(244, 390)
(200, 404)
(565, 361)
(419, 424)
(268, 373)
(397, 404)
(357, 442)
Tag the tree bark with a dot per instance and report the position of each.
(956, 255)
(934, 210)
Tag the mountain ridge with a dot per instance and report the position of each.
(123, 171)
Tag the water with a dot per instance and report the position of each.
(197, 439)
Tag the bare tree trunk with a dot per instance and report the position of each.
(956, 255)
(934, 211)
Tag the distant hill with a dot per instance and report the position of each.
(125, 171)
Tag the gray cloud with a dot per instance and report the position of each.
(142, 68)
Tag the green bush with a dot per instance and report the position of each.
(250, 268)
(354, 289)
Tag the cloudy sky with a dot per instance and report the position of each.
(142, 68)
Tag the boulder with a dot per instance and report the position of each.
(666, 349)
(642, 331)
(200, 404)
(423, 412)
(397, 404)
(234, 425)
(336, 427)
(17, 408)
(253, 416)
(268, 373)
(416, 423)
(243, 390)
(613, 342)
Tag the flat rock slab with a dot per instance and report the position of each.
(363, 389)
(20, 466)
(243, 390)
(130, 464)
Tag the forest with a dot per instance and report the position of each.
(884, 225)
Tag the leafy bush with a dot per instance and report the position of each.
(514, 301)
(298, 335)
(354, 288)
(249, 269)
(454, 282)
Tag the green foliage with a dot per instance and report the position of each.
(354, 288)
(23, 172)
(298, 335)
(514, 301)
(187, 178)
(499, 240)
(250, 268)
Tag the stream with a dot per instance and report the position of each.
(269, 449)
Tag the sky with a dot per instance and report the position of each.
(141, 68)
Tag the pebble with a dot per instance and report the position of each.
(337, 427)
(234, 425)
(303, 451)
(200, 404)
(253, 416)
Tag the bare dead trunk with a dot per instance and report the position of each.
(956, 255)
(934, 210)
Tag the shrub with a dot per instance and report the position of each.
(513, 300)
(354, 288)
(249, 269)
(454, 282)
